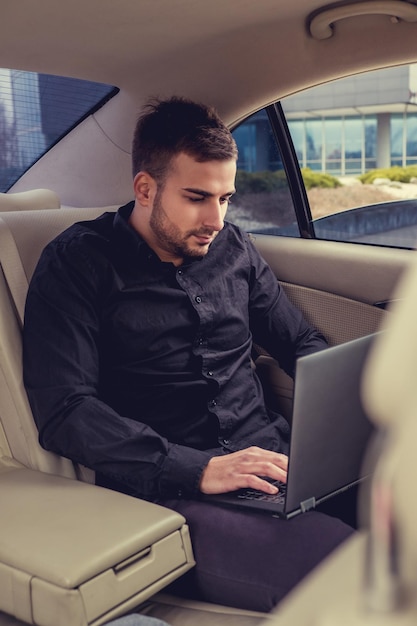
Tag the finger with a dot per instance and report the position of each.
(264, 469)
(246, 468)
(258, 454)
(283, 461)
(280, 460)
(256, 482)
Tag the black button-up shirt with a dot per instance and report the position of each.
(142, 370)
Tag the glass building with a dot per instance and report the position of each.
(358, 123)
(29, 138)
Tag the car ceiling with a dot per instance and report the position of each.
(235, 54)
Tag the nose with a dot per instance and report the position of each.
(214, 215)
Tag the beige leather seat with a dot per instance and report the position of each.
(372, 579)
(57, 536)
(23, 235)
(29, 200)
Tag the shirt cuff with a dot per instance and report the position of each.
(182, 469)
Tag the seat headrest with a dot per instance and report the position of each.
(28, 200)
(33, 230)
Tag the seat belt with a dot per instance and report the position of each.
(13, 271)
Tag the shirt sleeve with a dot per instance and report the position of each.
(61, 357)
(276, 324)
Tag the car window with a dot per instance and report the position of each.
(36, 111)
(263, 202)
(356, 144)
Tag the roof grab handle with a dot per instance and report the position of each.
(321, 24)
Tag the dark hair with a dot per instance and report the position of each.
(168, 127)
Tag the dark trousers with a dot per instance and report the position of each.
(252, 560)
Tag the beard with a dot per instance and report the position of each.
(171, 239)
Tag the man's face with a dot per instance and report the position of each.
(188, 212)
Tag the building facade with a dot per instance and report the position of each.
(358, 123)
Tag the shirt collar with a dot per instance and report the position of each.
(127, 237)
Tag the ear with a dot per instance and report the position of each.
(144, 187)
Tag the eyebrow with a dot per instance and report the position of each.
(206, 194)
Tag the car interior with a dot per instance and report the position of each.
(75, 554)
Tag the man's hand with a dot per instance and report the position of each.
(243, 469)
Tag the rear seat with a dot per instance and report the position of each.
(73, 553)
(23, 235)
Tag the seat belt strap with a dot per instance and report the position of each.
(13, 271)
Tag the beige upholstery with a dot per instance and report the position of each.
(372, 579)
(390, 393)
(23, 235)
(73, 553)
(390, 385)
(29, 200)
(340, 319)
(181, 612)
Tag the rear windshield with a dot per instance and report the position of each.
(36, 111)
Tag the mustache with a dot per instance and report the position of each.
(203, 232)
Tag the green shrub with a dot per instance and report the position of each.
(395, 173)
(317, 179)
(258, 182)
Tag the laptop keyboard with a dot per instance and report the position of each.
(255, 494)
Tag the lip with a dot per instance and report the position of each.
(203, 239)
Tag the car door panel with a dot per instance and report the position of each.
(339, 288)
(364, 273)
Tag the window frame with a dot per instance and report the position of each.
(292, 169)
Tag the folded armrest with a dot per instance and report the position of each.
(71, 552)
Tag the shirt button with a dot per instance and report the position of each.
(212, 403)
(209, 373)
(226, 442)
(198, 299)
(180, 272)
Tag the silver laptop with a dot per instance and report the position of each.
(329, 433)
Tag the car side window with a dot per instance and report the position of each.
(37, 111)
(263, 202)
(356, 145)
